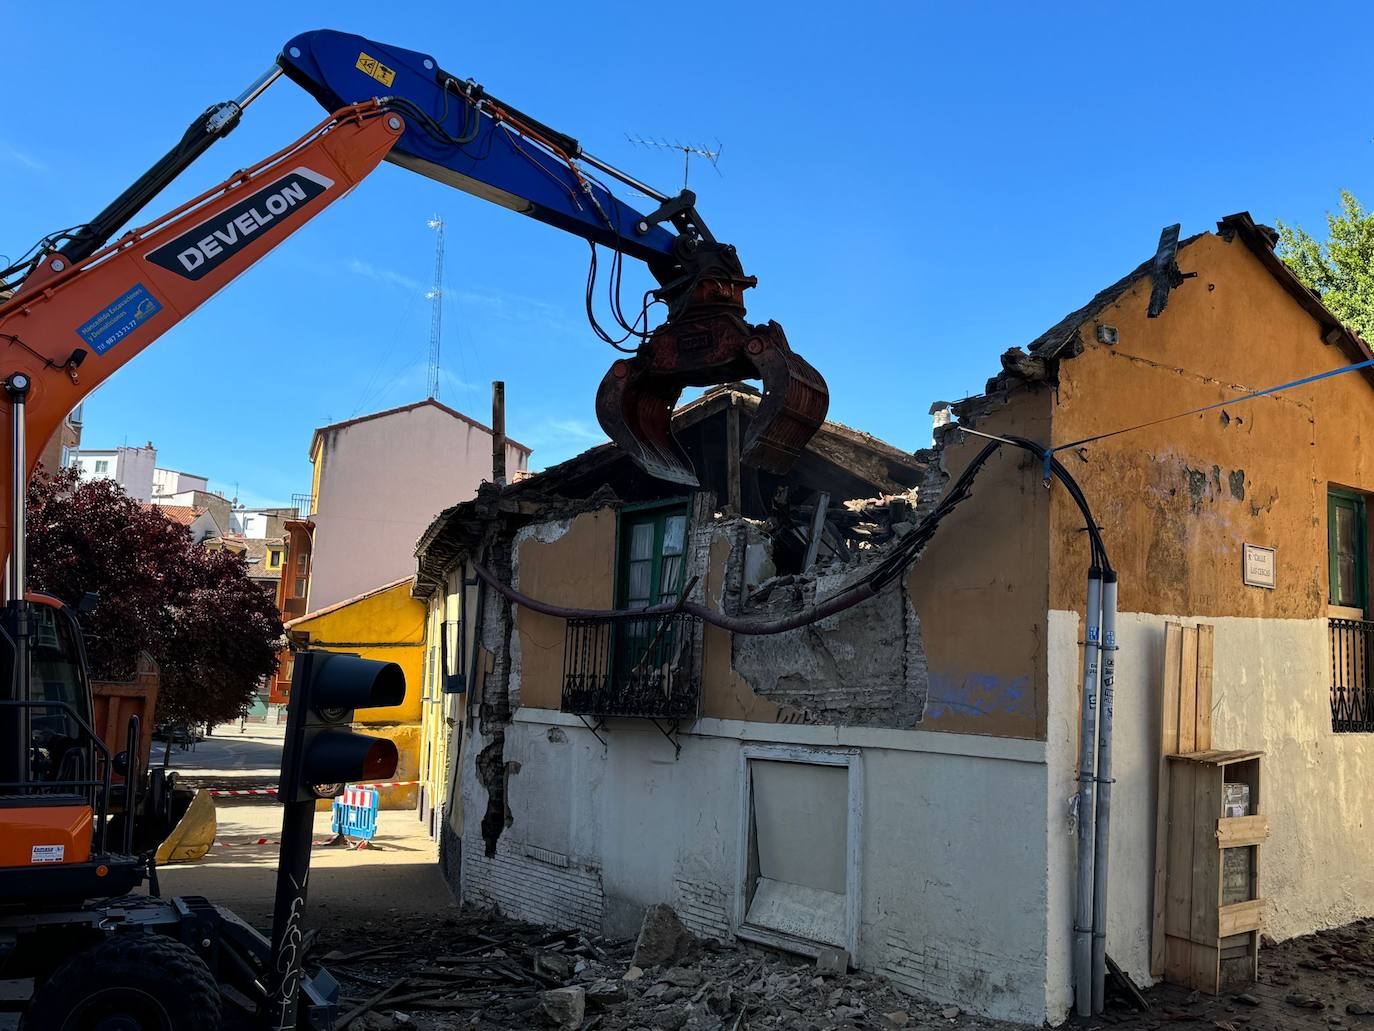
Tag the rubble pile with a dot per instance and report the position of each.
(485, 972)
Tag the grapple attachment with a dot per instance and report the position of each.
(706, 343)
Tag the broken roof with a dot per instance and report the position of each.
(1062, 341)
(856, 463)
(322, 430)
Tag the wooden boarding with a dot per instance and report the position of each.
(1208, 942)
(1242, 830)
(1185, 726)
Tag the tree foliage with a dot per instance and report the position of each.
(213, 631)
(1340, 268)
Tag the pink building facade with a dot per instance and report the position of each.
(379, 481)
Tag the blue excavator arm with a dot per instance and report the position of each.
(459, 135)
(453, 130)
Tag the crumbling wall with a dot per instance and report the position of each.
(864, 667)
(495, 708)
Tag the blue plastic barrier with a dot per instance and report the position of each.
(354, 814)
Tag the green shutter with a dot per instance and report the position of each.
(1346, 552)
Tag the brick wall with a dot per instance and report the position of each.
(534, 884)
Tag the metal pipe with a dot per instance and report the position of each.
(255, 88)
(1083, 912)
(1104, 792)
(132, 775)
(624, 177)
(861, 591)
(17, 387)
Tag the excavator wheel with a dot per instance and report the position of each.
(132, 981)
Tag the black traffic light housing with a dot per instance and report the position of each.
(322, 752)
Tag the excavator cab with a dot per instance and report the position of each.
(57, 788)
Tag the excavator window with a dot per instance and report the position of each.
(59, 752)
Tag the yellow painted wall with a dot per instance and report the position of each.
(388, 625)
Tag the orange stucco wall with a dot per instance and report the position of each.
(1178, 501)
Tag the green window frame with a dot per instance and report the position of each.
(651, 553)
(1347, 553)
(651, 561)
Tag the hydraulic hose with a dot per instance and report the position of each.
(903, 555)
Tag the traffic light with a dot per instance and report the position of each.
(322, 753)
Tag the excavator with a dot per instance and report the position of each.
(85, 301)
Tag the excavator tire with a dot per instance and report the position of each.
(136, 979)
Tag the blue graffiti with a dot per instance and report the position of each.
(979, 694)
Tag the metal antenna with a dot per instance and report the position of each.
(436, 298)
(687, 149)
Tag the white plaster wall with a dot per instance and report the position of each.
(1271, 692)
(954, 890)
(383, 482)
(135, 471)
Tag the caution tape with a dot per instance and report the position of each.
(237, 792)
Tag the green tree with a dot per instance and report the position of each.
(1341, 268)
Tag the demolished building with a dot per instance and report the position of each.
(896, 779)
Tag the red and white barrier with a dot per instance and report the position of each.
(238, 792)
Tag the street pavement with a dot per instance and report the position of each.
(228, 758)
(396, 876)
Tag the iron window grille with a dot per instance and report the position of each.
(633, 665)
(1352, 708)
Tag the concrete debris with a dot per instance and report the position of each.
(833, 961)
(563, 1007)
(663, 939)
(483, 972)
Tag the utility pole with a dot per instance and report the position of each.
(436, 299)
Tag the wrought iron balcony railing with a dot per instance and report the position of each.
(304, 504)
(1352, 707)
(644, 666)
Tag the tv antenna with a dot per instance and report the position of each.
(435, 296)
(711, 155)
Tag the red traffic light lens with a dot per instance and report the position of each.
(381, 760)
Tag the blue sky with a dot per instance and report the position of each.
(917, 187)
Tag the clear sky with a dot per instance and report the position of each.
(917, 186)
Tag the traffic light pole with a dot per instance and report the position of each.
(293, 876)
(321, 754)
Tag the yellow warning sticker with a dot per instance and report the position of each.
(371, 66)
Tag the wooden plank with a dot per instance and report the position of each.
(1187, 693)
(1234, 831)
(1177, 959)
(1205, 634)
(1217, 756)
(1206, 894)
(1179, 887)
(1168, 743)
(1206, 967)
(1240, 916)
(1238, 755)
(1173, 658)
(732, 455)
